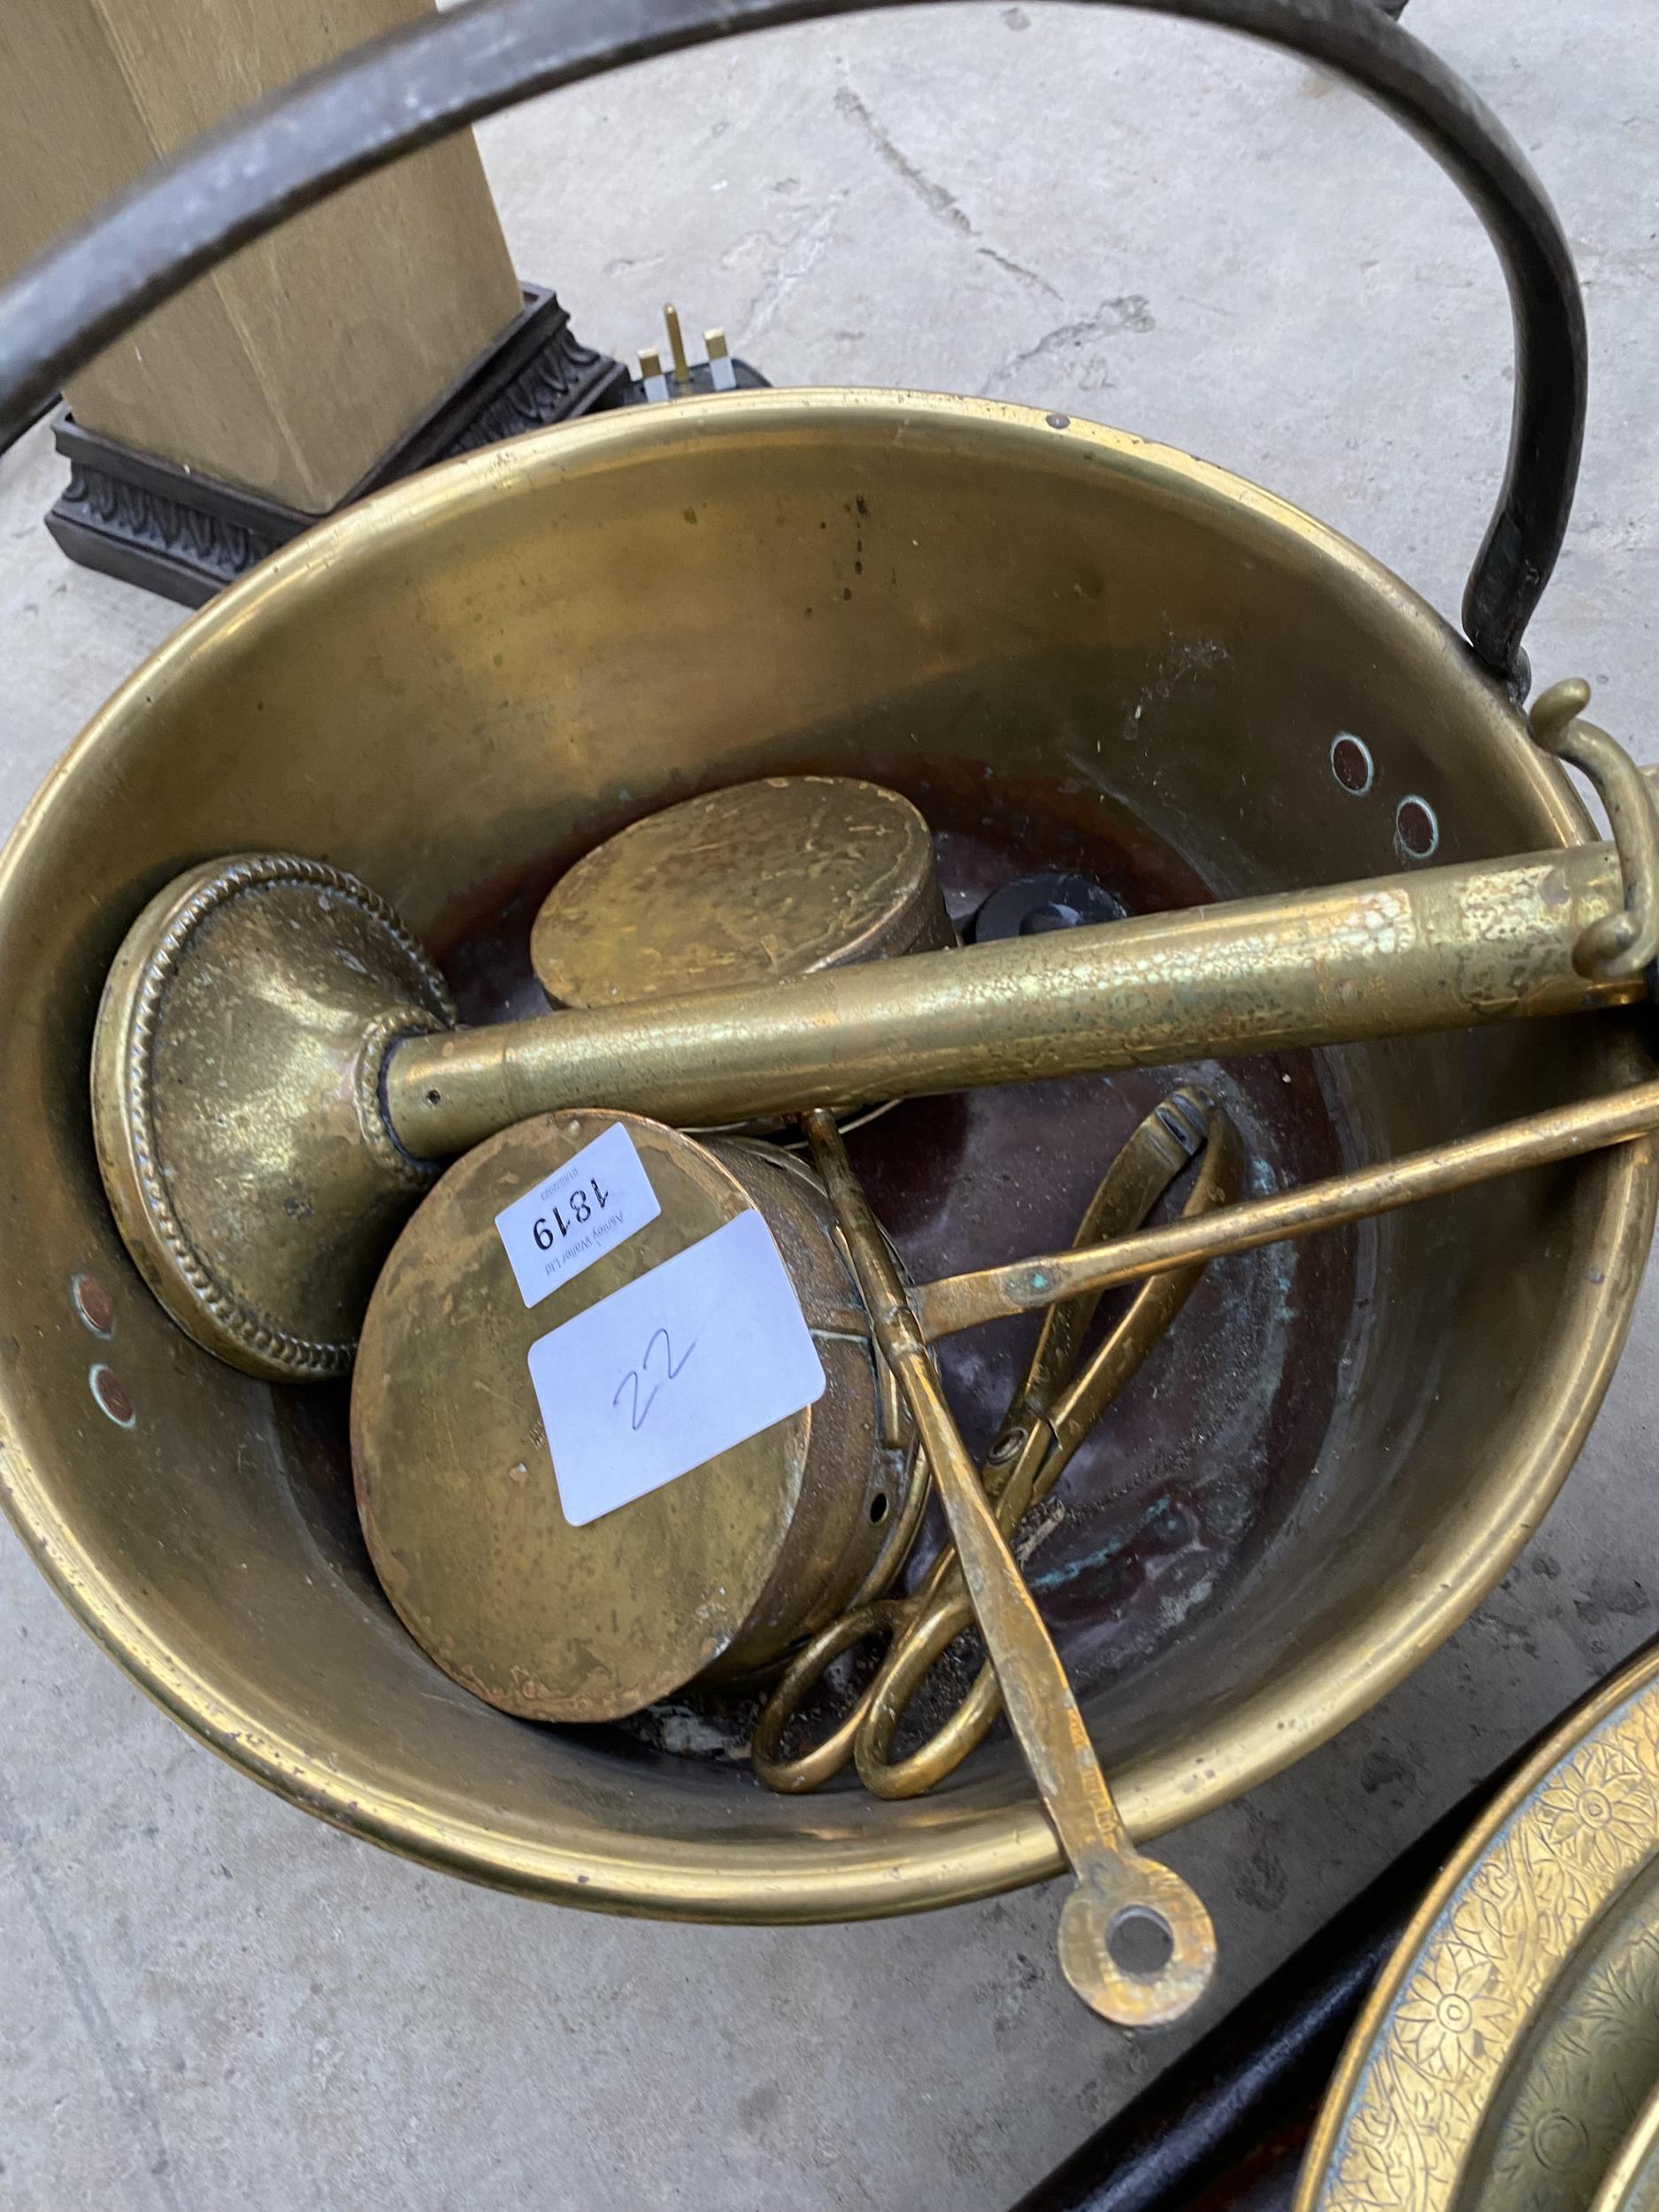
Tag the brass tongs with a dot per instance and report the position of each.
(1048, 1419)
(1049, 1416)
(1118, 1888)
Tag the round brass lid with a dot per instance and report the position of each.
(770, 879)
(455, 1488)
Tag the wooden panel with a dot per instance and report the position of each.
(292, 369)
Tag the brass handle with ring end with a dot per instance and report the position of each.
(1118, 1888)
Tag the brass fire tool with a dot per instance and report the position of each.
(1117, 1887)
(1050, 1415)
(277, 1076)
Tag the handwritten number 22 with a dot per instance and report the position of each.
(634, 1375)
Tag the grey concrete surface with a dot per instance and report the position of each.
(207, 1998)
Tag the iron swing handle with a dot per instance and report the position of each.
(417, 84)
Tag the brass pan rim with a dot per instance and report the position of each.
(976, 1842)
(694, 426)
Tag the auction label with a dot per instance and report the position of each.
(695, 1355)
(598, 1199)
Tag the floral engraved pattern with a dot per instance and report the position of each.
(1604, 1815)
(1451, 2006)
(1579, 2075)
(1416, 2109)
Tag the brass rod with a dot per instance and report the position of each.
(1432, 949)
(1114, 1879)
(962, 1301)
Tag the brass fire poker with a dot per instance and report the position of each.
(277, 1075)
(1559, 1133)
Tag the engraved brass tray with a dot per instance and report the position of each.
(1509, 2057)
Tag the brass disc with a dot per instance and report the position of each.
(235, 1105)
(460, 1498)
(764, 879)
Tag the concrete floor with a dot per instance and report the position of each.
(208, 1999)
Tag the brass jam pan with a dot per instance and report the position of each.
(710, 1577)
(1056, 627)
(235, 1463)
(1508, 2055)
